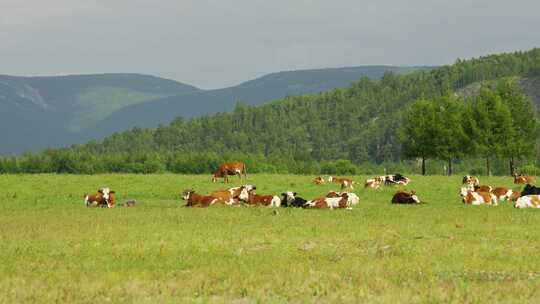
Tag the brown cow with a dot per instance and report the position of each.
(477, 198)
(103, 198)
(233, 195)
(473, 181)
(482, 188)
(343, 182)
(232, 168)
(265, 200)
(319, 180)
(402, 197)
(505, 194)
(196, 200)
(522, 179)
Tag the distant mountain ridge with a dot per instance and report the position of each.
(48, 111)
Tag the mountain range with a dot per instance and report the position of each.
(52, 111)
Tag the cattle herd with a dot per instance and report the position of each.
(472, 193)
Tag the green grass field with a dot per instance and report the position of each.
(53, 249)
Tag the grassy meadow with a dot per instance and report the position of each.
(53, 249)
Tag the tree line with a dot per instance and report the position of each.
(359, 129)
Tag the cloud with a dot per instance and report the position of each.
(214, 43)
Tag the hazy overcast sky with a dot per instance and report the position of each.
(216, 43)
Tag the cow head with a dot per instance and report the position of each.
(187, 194)
(288, 198)
(244, 194)
(414, 197)
(464, 191)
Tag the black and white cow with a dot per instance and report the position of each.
(289, 199)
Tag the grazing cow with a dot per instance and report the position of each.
(477, 198)
(352, 198)
(319, 180)
(522, 179)
(343, 182)
(530, 190)
(233, 195)
(402, 197)
(289, 199)
(196, 200)
(396, 179)
(265, 200)
(471, 180)
(329, 202)
(528, 201)
(232, 168)
(103, 198)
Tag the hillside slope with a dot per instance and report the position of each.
(41, 112)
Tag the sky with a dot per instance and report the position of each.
(218, 43)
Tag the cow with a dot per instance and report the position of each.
(481, 188)
(233, 195)
(265, 200)
(196, 200)
(402, 197)
(329, 202)
(103, 198)
(352, 198)
(522, 179)
(289, 199)
(471, 180)
(504, 194)
(318, 180)
(343, 182)
(477, 198)
(530, 190)
(396, 179)
(232, 168)
(528, 201)
(374, 183)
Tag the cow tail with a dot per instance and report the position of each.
(245, 172)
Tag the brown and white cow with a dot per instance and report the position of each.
(352, 198)
(232, 168)
(104, 197)
(473, 181)
(233, 195)
(471, 197)
(341, 201)
(196, 200)
(522, 179)
(505, 194)
(318, 180)
(264, 200)
(482, 188)
(374, 183)
(402, 197)
(528, 201)
(343, 182)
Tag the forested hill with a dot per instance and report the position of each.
(40, 112)
(297, 134)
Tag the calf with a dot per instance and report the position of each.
(328, 202)
(477, 198)
(352, 198)
(528, 201)
(265, 200)
(522, 179)
(103, 198)
(196, 200)
(289, 199)
(402, 197)
(471, 180)
(530, 190)
(343, 182)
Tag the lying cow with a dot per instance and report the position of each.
(396, 179)
(481, 188)
(352, 198)
(329, 202)
(196, 200)
(103, 198)
(343, 182)
(233, 195)
(232, 168)
(402, 197)
(528, 201)
(374, 183)
(318, 180)
(265, 200)
(505, 194)
(530, 190)
(289, 199)
(522, 179)
(471, 180)
(471, 197)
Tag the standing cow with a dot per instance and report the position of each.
(232, 168)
